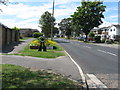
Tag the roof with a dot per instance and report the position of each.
(23, 30)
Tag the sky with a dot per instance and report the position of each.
(26, 13)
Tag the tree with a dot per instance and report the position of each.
(37, 34)
(4, 2)
(46, 22)
(55, 31)
(15, 28)
(66, 26)
(88, 16)
(91, 34)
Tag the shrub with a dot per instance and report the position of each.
(21, 36)
(49, 43)
(37, 34)
(97, 39)
(103, 40)
(109, 41)
(37, 43)
(91, 34)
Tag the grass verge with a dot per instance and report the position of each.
(35, 53)
(19, 77)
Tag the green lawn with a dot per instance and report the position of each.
(35, 53)
(19, 77)
(48, 54)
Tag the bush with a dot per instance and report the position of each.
(91, 34)
(37, 43)
(103, 40)
(97, 39)
(58, 36)
(21, 36)
(109, 41)
(37, 34)
(49, 43)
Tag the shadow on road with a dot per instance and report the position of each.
(8, 48)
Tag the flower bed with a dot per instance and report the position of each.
(48, 43)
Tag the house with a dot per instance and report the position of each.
(108, 31)
(103, 32)
(114, 32)
(27, 32)
(7, 36)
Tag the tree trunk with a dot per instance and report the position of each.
(86, 38)
(68, 36)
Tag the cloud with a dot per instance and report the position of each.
(26, 15)
(112, 9)
(24, 11)
(59, 1)
(114, 16)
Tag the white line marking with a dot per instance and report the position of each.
(107, 52)
(98, 83)
(79, 68)
(87, 46)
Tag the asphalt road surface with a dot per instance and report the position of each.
(94, 60)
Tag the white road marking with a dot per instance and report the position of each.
(87, 46)
(79, 68)
(107, 52)
(97, 82)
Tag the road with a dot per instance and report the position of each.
(94, 60)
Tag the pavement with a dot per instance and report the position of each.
(61, 65)
(16, 47)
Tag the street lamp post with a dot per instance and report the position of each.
(52, 26)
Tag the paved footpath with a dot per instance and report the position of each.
(61, 65)
(21, 46)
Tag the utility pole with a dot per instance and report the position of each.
(52, 26)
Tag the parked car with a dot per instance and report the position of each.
(90, 39)
(81, 38)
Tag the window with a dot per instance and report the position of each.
(114, 29)
(111, 30)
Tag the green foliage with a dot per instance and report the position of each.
(108, 41)
(46, 22)
(37, 34)
(15, 28)
(91, 34)
(19, 77)
(35, 53)
(55, 31)
(88, 16)
(97, 39)
(66, 26)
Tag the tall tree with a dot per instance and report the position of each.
(4, 2)
(88, 15)
(55, 31)
(46, 22)
(66, 26)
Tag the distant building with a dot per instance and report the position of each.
(111, 32)
(114, 32)
(27, 32)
